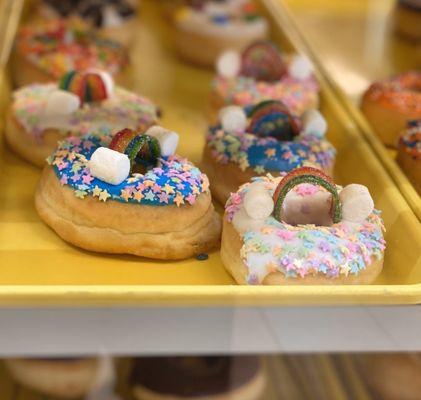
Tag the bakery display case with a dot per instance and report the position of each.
(119, 311)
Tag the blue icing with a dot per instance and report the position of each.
(268, 153)
(176, 181)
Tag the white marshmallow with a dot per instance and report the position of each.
(300, 67)
(233, 119)
(257, 202)
(107, 79)
(109, 165)
(168, 140)
(228, 64)
(357, 203)
(313, 123)
(111, 18)
(61, 102)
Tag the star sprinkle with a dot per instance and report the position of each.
(104, 196)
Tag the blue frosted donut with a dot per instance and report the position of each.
(266, 154)
(175, 181)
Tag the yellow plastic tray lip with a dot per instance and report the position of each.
(284, 17)
(207, 295)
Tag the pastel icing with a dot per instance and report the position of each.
(297, 94)
(174, 181)
(298, 251)
(233, 18)
(268, 154)
(411, 139)
(57, 46)
(123, 109)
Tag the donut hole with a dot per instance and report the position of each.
(307, 204)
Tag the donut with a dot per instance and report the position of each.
(263, 139)
(46, 50)
(409, 153)
(302, 229)
(64, 378)
(201, 378)
(113, 19)
(205, 29)
(262, 72)
(390, 103)
(79, 103)
(407, 19)
(391, 376)
(128, 195)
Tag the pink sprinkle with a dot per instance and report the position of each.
(306, 189)
(191, 199)
(64, 180)
(285, 235)
(87, 179)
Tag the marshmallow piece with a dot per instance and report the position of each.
(233, 119)
(61, 102)
(107, 80)
(313, 124)
(357, 203)
(111, 18)
(257, 202)
(228, 64)
(300, 67)
(168, 140)
(109, 165)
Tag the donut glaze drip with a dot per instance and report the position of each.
(269, 154)
(302, 250)
(176, 181)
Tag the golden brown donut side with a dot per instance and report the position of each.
(162, 232)
(25, 144)
(65, 379)
(230, 254)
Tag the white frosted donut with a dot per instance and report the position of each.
(305, 246)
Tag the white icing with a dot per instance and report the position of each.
(313, 123)
(62, 103)
(109, 165)
(228, 64)
(357, 204)
(168, 140)
(233, 119)
(242, 221)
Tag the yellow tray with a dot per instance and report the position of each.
(37, 267)
(365, 50)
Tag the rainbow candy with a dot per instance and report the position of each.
(141, 149)
(262, 61)
(272, 118)
(310, 175)
(89, 86)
